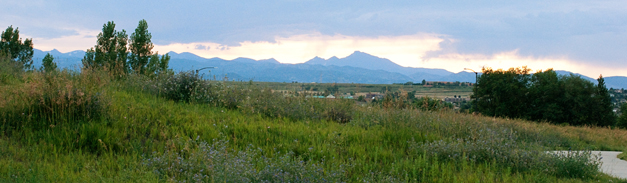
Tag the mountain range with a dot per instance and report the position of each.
(359, 67)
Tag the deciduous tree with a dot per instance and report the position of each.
(140, 47)
(110, 51)
(20, 51)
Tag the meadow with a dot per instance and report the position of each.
(66, 126)
(440, 91)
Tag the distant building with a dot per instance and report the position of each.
(372, 96)
(456, 99)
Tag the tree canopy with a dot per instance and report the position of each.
(141, 47)
(48, 64)
(20, 51)
(112, 52)
(543, 96)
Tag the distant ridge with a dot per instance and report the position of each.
(358, 67)
(367, 61)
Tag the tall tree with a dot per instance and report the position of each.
(11, 44)
(502, 92)
(140, 47)
(110, 51)
(48, 63)
(604, 111)
(622, 120)
(545, 96)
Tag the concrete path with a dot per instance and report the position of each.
(612, 165)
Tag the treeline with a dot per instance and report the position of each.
(543, 96)
(114, 52)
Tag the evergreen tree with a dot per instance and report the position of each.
(11, 44)
(622, 120)
(604, 107)
(48, 64)
(157, 65)
(89, 60)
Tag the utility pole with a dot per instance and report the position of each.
(475, 90)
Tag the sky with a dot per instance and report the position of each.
(586, 37)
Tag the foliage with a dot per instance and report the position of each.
(110, 51)
(603, 110)
(543, 96)
(215, 163)
(502, 92)
(622, 120)
(11, 45)
(54, 99)
(141, 47)
(157, 65)
(190, 87)
(9, 69)
(48, 64)
(402, 100)
(143, 130)
(183, 86)
(502, 147)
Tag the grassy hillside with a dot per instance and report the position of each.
(86, 127)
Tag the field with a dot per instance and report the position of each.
(89, 127)
(442, 91)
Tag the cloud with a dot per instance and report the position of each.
(405, 50)
(457, 62)
(409, 50)
(583, 32)
(81, 40)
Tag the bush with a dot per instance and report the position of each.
(298, 108)
(180, 87)
(190, 87)
(9, 70)
(216, 163)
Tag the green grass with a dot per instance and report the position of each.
(376, 145)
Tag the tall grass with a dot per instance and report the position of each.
(54, 98)
(145, 133)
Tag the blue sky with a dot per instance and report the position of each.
(589, 37)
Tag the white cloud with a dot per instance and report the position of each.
(408, 50)
(405, 50)
(504, 60)
(82, 40)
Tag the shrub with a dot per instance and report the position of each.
(216, 163)
(9, 69)
(275, 105)
(190, 87)
(430, 104)
(180, 87)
